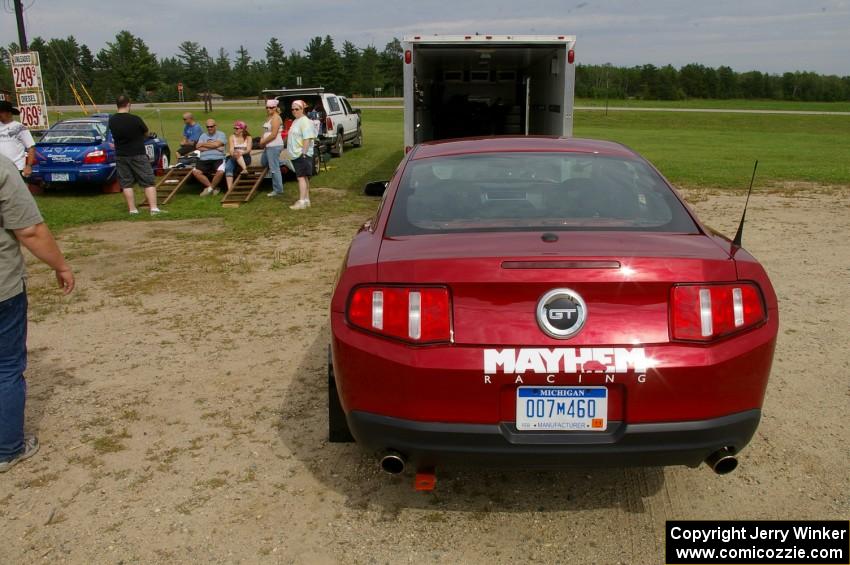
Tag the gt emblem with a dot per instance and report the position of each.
(561, 313)
(558, 313)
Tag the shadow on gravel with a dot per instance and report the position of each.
(43, 377)
(354, 473)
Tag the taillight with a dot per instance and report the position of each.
(571, 56)
(414, 314)
(97, 156)
(709, 312)
(408, 57)
(329, 124)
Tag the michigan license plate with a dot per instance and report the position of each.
(562, 408)
(60, 177)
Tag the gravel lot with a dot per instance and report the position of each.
(179, 397)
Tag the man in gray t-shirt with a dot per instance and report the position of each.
(20, 224)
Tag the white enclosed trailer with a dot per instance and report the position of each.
(474, 85)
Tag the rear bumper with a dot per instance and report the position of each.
(90, 174)
(501, 445)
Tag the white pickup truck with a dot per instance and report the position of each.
(337, 122)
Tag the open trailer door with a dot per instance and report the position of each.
(480, 85)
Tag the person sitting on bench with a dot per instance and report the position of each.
(211, 144)
(191, 132)
(240, 152)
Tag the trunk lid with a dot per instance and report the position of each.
(496, 279)
(62, 155)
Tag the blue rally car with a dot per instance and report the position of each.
(81, 150)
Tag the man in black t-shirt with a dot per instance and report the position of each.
(129, 132)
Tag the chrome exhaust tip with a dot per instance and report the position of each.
(392, 462)
(722, 461)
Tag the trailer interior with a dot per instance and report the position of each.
(488, 90)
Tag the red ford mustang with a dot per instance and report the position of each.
(545, 302)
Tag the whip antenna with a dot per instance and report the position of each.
(739, 234)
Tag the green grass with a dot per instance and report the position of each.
(375, 160)
(733, 104)
(718, 150)
(691, 149)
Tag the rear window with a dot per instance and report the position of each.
(534, 191)
(314, 102)
(80, 132)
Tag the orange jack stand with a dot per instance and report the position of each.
(426, 479)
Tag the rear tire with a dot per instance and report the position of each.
(339, 145)
(35, 188)
(317, 160)
(338, 431)
(358, 140)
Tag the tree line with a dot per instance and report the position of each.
(649, 82)
(127, 65)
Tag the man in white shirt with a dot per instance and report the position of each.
(16, 142)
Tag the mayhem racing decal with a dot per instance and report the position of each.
(565, 360)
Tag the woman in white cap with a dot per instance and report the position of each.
(299, 144)
(272, 144)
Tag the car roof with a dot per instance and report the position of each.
(513, 144)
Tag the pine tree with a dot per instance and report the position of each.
(275, 64)
(127, 66)
(350, 60)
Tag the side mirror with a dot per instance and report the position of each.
(357, 111)
(152, 135)
(375, 188)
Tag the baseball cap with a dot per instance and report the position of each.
(6, 106)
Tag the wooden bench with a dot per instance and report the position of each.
(169, 184)
(244, 187)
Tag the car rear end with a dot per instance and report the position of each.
(544, 307)
(74, 151)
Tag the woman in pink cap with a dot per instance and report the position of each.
(240, 151)
(272, 144)
(300, 139)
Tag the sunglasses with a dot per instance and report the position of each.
(237, 127)
(297, 108)
(210, 127)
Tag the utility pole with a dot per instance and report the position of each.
(22, 33)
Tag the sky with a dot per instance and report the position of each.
(772, 36)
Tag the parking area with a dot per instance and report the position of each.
(180, 399)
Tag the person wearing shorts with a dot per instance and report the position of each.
(211, 144)
(299, 143)
(240, 152)
(129, 132)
